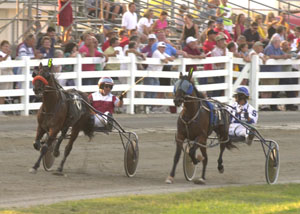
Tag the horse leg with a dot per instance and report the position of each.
(39, 134)
(220, 159)
(56, 152)
(44, 149)
(204, 161)
(179, 143)
(68, 148)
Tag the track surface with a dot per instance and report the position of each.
(95, 169)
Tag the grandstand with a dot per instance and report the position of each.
(22, 16)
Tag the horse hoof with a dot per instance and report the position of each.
(58, 172)
(221, 169)
(200, 181)
(56, 153)
(32, 170)
(169, 180)
(37, 146)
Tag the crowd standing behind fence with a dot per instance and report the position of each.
(142, 34)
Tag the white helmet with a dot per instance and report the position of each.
(105, 80)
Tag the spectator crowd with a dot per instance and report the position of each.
(268, 37)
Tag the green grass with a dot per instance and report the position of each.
(259, 199)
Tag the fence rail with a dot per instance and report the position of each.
(128, 77)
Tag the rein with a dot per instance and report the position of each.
(187, 123)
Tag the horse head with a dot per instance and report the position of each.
(41, 79)
(182, 88)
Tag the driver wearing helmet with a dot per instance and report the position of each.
(104, 101)
(244, 112)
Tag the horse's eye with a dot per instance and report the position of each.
(33, 74)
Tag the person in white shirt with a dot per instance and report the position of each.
(258, 49)
(144, 25)
(129, 19)
(165, 58)
(219, 50)
(245, 112)
(5, 52)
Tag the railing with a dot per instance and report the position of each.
(232, 79)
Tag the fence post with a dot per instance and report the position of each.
(132, 69)
(229, 78)
(26, 85)
(253, 80)
(77, 69)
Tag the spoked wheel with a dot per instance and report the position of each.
(49, 158)
(272, 163)
(189, 169)
(131, 155)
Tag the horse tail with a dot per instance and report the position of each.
(88, 129)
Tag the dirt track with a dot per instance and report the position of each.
(95, 169)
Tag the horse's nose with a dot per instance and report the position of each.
(178, 101)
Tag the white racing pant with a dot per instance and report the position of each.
(100, 120)
(236, 129)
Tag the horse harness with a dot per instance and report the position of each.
(216, 114)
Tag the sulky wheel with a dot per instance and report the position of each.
(272, 163)
(49, 158)
(189, 169)
(131, 157)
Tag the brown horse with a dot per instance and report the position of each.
(60, 110)
(194, 124)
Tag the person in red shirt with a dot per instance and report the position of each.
(89, 50)
(209, 45)
(105, 102)
(220, 28)
(124, 39)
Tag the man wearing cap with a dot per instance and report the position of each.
(220, 29)
(208, 46)
(192, 50)
(219, 50)
(258, 49)
(165, 58)
(243, 111)
(148, 48)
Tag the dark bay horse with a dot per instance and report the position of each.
(60, 110)
(194, 124)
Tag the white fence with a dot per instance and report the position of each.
(232, 79)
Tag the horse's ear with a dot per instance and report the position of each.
(180, 75)
(190, 74)
(41, 66)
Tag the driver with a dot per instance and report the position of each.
(104, 101)
(244, 112)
